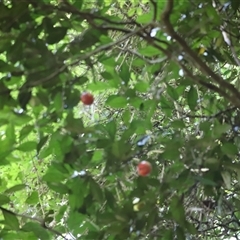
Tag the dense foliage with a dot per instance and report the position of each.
(164, 76)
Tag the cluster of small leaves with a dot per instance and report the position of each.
(164, 75)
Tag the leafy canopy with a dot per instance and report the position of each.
(164, 75)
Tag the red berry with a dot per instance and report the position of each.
(144, 168)
(87, 98)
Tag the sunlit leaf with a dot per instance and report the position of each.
(33, 198)
(27, 146)
(116, 101)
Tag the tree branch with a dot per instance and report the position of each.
(41, 221)
(225, 87)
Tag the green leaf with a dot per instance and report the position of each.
(119, 150)
(106, 218)
(74, 125)
(166, 105)
(111, 128)
(4, 67)
(15, 188)
(98, 156)
(87, 39)
(10, 219)
(142, 86)
(37, 229)
(238, 175)
(126, 116)
(213, 14)
(171, 151)
(74, 219)
(177, 210)
(45, 152)
(96, 191)
(25, 131)
(20, 119)
(7, 235)
(168, 234)
(41, 143)
(53, 175)
(23, 98)
(190, 227)
(192, 98)
(78, 191)
(229, 149)
(218, 129)
(72, 98)
(56, 34)
(145, 18)
(58, 102)
(205, 181)
(60, 213)
(58, 187)
(136, 102)
(33, 198)
(205, 126)
(235, 5)
(180, 233)
(10, 133)
(43, 97)
(78, 4)
(152, 218)
(4, 199)
(149, 51)
(27, 146)
(227, 179)
(178, 124)
(116, 101)
(124, 73)
(59, 166)
(99, 86)
(172, 92)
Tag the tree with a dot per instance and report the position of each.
(164, 75)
